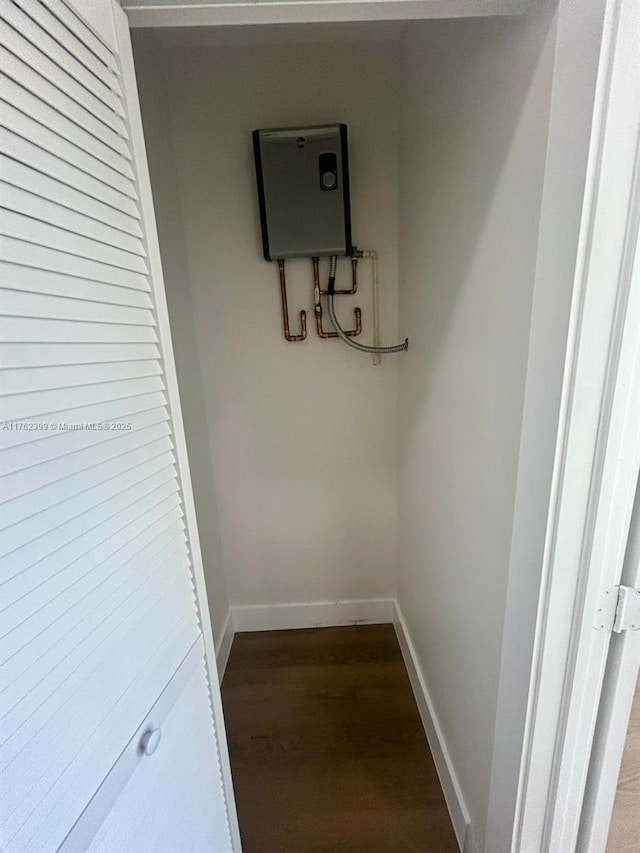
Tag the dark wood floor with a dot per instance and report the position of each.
(624, 832)
(327, 749)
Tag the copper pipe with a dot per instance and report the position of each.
(353, 333)
(354, 281)
(285, 309)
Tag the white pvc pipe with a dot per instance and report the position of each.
(341, 332)
(376, 358)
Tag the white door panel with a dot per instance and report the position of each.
(150, 815)
(101, 588)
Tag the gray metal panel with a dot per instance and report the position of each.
(302, 219)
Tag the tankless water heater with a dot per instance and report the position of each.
(303, 190)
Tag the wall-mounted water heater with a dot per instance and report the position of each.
(303, 190)
(305, 212)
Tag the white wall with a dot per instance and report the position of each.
(474, 124)
(302, 436)
(578, 41)
(175, 265)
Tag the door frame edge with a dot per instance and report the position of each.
(596, 463)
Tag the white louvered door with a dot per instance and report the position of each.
(101, 590)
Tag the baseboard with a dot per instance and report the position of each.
(312, 614)
(470, 843)
(446, 772)
(222, 645)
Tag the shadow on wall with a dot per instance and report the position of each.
(175, 263)
(473, 139)
(467, 104)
